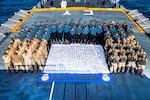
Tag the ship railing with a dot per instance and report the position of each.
(40, 4)
(11, 23)
(140, 19)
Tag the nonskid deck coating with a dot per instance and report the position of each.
(125, 86)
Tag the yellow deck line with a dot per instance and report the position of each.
(136, 24)
(21, 22)
(77, 8)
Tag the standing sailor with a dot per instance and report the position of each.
(85, 32)
(27, 58)
(93, 34)
(131, 62)
(141, 65)
(122, 62)
(114, 63)
(53, 32)
(7, 62)
(72, 35)
(66, 31)
(59, 32)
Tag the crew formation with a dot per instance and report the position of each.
(29, 50)
(123, 51)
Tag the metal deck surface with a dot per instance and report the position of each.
(25, 86)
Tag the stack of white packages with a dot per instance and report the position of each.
(76, 59)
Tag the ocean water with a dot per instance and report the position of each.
(8, 7)
(143, 6)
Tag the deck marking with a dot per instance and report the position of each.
(66, 13)
(52, 89)
(88, 12)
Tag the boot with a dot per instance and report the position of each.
(119, 69)
(123, 69)
(12, 71)
(142, 73)
(132, 71)
(128, 68)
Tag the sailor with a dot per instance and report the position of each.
(8, 62)
(21, 49)
(79, 24)
(141, 65)
(16, 42)
(72, 34)
(53, 32)
(129, 31)
(121, 50)
(120, 30)
(110, 39)
(131, 59)
(36, 60)
(132, 37)
(109, 53)
(93, 34)
(115, 36)
(72, 23)
(48, 29)
(99, 31)
(123, 36)
(112, 29)
(43, 46)
(137, 47)
(17, 61)
(66, 31)
(106, 34)
(59, 31)
(108, 46)
(78, 34)
(117, 26)
(85, 32)
(125, 26)
(96, 24)
(114, 63)
(47, 37)
(27, 58)
(104, 26)
(122, 62)
(141, 53)
(12, 47)
(84, 24)
(55, 24)
(41, 58)
(29, 49)
(90, 24)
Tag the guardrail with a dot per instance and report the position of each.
(139, 18)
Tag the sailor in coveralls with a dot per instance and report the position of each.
(114, 63)
(141, 65)
(122, 62)
(131, 62)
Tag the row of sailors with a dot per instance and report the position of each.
(125, 55)
(25, 55)
(73, 32)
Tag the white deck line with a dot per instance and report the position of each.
(19, 14)
(51, 92)
(13, 20)
(7, 26)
